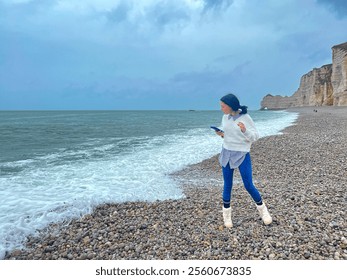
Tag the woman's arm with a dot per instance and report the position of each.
(248, 128)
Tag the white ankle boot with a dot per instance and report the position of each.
(264, 214)
(227, 217)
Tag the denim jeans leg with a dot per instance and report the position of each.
(228, 183)
(246, 175)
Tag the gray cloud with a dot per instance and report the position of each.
(160, 16)
(120, 13)
(217, 5)
(339, 7)
(166, 54)
(164, 14)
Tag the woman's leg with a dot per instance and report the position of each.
(246, 175)
(228, 184)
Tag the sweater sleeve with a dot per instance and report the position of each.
(251, 132)
(222, 122)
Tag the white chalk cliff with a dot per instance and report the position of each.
(324, 86)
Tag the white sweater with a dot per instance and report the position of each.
(234, 138)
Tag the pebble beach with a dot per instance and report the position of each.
(301, 174)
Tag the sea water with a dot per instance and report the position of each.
(59, 165)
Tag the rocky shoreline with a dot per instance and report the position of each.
(302, 175)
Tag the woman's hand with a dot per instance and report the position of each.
(220, 133)
(242, 127)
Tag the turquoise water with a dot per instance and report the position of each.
(57, 165)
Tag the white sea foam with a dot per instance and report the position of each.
(273, 124)
(51, 189)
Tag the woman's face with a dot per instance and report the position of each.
(225, 108)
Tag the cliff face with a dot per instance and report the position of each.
(322, 86)
(277, 102)
(315, 88)
(339, 75)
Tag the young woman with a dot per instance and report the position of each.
(239, 132)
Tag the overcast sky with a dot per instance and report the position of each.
(160, 54)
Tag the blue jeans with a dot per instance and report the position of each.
(246, 174)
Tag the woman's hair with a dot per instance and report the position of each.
(233, 102)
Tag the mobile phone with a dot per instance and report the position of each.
(216, 129)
